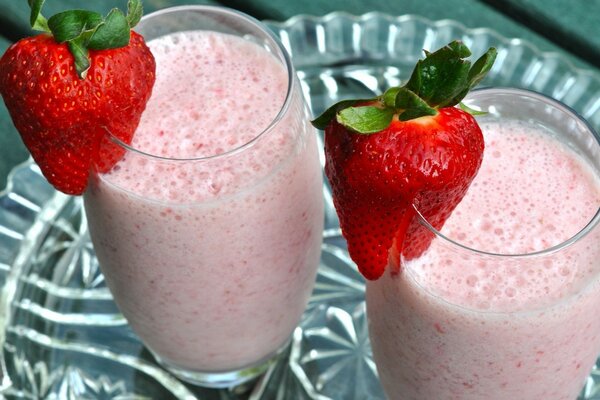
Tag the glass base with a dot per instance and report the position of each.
(224, 379)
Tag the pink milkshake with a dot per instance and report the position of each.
(502, 305)
(209, 232)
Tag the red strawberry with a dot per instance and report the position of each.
(66, 90)
(407, 149)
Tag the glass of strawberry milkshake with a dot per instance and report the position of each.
(208, 230)
(502, 304)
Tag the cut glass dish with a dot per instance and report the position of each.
(63, 337)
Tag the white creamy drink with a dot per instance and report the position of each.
(211, 253)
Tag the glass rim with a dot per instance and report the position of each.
(283, 56)
(592, 223)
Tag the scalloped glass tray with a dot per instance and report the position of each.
(63, 337)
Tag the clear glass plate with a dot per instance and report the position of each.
(63, 337)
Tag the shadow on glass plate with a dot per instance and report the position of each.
(63, 337)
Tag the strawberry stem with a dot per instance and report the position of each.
(442, 79)
(85, 30)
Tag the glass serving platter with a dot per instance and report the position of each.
(62, 336)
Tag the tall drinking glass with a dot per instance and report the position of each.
(208, 230)
(498, 307)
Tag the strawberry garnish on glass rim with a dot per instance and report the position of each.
(408, 149)
(65, 89)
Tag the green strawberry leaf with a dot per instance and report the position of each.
(442, 79)
(323, 120)
(442, 75)
(134, 12)
(476, 74)
(389, 96)
(69, 25)
(366, 119)
(431, 70)
(413, 105)
(481, 67)
(470, 110)
(36, 19)
(457, 82)
(113, 33)
(80, 53)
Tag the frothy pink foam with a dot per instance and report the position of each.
(222, 105)
(532, 193)
(218, 93)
